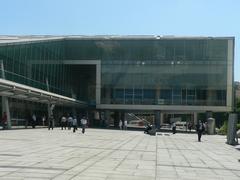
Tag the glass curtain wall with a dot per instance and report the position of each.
(165, 72)
(134, 71)
(35, 63)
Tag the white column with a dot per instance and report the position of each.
(5, 103)
(5, 108)
(161, 118)
(230, 73)
(195, 120)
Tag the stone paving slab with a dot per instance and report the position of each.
(114, 154)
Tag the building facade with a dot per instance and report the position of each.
(157, 74)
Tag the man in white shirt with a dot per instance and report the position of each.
(84, 123)
(70, 119)
(74, 124)
(125, 125)
(63, 122)
(34, 120)
(120, 124)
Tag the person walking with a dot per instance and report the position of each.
(200, 129)
(74, 124)
(125, 125)
(69, 121)
(34, 119)
(4, 121)
(120, 124)
(63, 122)
(174, 128)
(43, 120)
(190, 126)
(50, 123)
(84, 123)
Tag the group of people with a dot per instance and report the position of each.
(65, 122)
(71, 122)
(200, 128)
(123, 124)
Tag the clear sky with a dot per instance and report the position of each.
(123, 17)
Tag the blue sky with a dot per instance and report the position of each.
(122, 17)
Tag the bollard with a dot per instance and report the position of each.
(210, 126)
(232, 129)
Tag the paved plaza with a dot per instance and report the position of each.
(113, 154)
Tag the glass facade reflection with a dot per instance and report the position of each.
(158, 72)
(134, 71)
(34, 63)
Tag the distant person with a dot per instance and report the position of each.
(190, 126)
(34, 120)
(50, 123)
(4, 120)
(125, 125)
(174, 128)
(205, 127)
(148, 128)
(43, 120)
(200, 129)
(63, 122)
(74, 124)
(83, 123)
(69, 121)
(120, 124)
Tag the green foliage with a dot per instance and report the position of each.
(238, 126)
(223, 129)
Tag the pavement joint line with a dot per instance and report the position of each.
(81, 163)
(77, 164)
(85, 147)
(180, 149)
(194, 145)
(130, 138)
(213, 158)
(186, 159)
(171, 156)
(15, 139)
(28, 167)
(197, 167)
(35, 152)
(128, 153)
(17, 155)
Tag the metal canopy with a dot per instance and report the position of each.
(15, 90)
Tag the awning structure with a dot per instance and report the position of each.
(19, 91)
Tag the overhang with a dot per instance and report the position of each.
(19, 91)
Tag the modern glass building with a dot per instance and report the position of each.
(122, 74)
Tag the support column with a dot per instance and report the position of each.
(74, 96)
(107, 117)
(116, 118)
(157, 119)
(161, 118)
(5, 108)
(232, 129)
(5, 103)
(50, 107)
(195, 118)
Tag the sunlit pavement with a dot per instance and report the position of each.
(114, 154)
